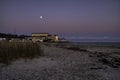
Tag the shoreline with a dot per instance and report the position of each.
(106, 54)
(67, 62)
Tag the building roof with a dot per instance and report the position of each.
(40, 33)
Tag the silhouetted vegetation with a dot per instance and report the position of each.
(12, 51)
(3, 35)
(77, 48)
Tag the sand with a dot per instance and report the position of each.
(63, 63)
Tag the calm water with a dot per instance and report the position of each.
(99, 41)
(93, 39)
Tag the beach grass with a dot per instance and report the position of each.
(10, 51)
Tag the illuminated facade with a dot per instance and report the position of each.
(44, 37)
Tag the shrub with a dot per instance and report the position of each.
(13, 50)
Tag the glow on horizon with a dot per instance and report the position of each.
(94, 17)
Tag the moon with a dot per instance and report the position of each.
(41, 17)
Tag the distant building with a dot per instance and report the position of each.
(27, 39)
(56, 38)
(39, 37)
(15, 40)
(44, 37)
(2, 39)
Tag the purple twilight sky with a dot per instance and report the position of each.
(65, 17)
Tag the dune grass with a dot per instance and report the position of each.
(13, 50)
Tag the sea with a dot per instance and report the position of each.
(104, 41)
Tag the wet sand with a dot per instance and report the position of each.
(67, 62)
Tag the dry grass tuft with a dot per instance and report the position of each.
(12, 51)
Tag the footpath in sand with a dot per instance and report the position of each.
(59, 64)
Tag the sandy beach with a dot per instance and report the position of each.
(67, 62)
(59, 39)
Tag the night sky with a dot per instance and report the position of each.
(63, 17)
